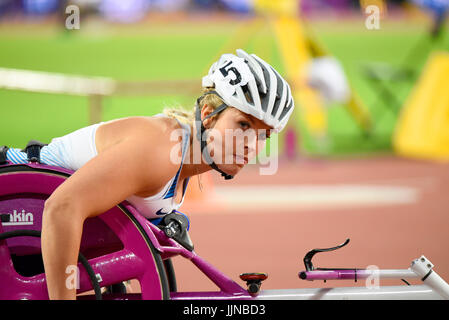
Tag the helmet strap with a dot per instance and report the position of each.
(201, 130)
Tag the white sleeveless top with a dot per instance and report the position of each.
(164, 202)
(73, 150)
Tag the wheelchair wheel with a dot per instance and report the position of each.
(115, 243)
(169, 271)
(171, 277)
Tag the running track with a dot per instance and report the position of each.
(399, 210)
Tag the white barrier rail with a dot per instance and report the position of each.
(38, 81)
(95, 88)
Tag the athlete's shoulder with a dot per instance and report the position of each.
(154, 137)
(163, 128)
(167, 131)
(159, 137)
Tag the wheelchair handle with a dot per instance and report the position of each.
(175, 226)
(172, 229)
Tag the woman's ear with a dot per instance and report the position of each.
(205, 111)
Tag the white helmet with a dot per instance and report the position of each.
(252, 86)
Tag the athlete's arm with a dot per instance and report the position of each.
(137, 164)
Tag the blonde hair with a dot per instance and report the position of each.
(188, 116)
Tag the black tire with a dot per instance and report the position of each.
(171, 276)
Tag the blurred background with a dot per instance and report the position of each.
(364, 155)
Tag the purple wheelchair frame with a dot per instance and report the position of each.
(119, 244)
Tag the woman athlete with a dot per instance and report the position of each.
(139, 159)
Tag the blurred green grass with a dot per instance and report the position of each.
(185, 52)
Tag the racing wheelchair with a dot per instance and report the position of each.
(120, 245)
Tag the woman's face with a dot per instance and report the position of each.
(234, 138)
